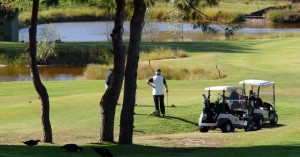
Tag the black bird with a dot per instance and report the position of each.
(31, 142)
(72, 148)
(103, 152)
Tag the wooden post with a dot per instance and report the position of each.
(219, 71)
(149, 63)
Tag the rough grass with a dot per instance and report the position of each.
(162, 53)
(99, 72)
(75, 107)
(70, 11)
(82, 53)
(145, 71)
(64, 15)
(283, 16)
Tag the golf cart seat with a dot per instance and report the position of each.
(260, 103)
(233, 100)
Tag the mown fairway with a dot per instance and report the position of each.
(75, 107)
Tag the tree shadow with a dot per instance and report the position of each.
(148, 151)
(181, 119)
(140, 114)
(139, 131)
(141, 105)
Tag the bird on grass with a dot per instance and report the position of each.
(31, 142)
(103, 152)
(72, 148)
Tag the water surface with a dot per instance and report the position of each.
(47, 73)
(99, 31)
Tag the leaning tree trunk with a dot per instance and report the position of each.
(39, 87)
(136, 27)
(110, 98)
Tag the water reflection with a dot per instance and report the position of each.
(47, 73)
(99, 31)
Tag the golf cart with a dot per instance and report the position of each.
(263, 111)
(227, 112)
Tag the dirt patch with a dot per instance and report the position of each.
(190, 141)
(196, 141)
(163, 138)
(189, 150)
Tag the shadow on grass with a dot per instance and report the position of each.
(141, 105)
(268, 125)
(181, 119)
(147, 151)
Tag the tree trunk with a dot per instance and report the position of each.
(39, 87)
(136, 27)
(110, 98)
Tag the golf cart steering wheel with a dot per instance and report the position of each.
(219, 98)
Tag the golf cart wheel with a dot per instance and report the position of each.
(260, 121)
(204, 129)
(274, 120)
(226, 127)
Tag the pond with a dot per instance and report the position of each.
(99, 31)
(47, 73)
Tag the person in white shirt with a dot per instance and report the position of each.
(108, 78)
(158, 82)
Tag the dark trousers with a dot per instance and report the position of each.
(159, 101)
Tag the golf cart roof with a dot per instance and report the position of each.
(261, 83)
(228, 88)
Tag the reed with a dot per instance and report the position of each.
(99, 72)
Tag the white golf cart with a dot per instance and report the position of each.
(227, 112)
(263, 111)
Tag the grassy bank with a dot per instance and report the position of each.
(68, 11)
(75, 107)
(82, 53)
(284, 16)
(76, 53)
(54, 15)
(99, 72)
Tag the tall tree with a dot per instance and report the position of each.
(136, 26)
(39, 87)
(110, 98)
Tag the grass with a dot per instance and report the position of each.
(75, 107)
(82, 53)
(145, 71)
(162, 53)
(68, 11)
(283, 16)
(65, 15)
(99, 72)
